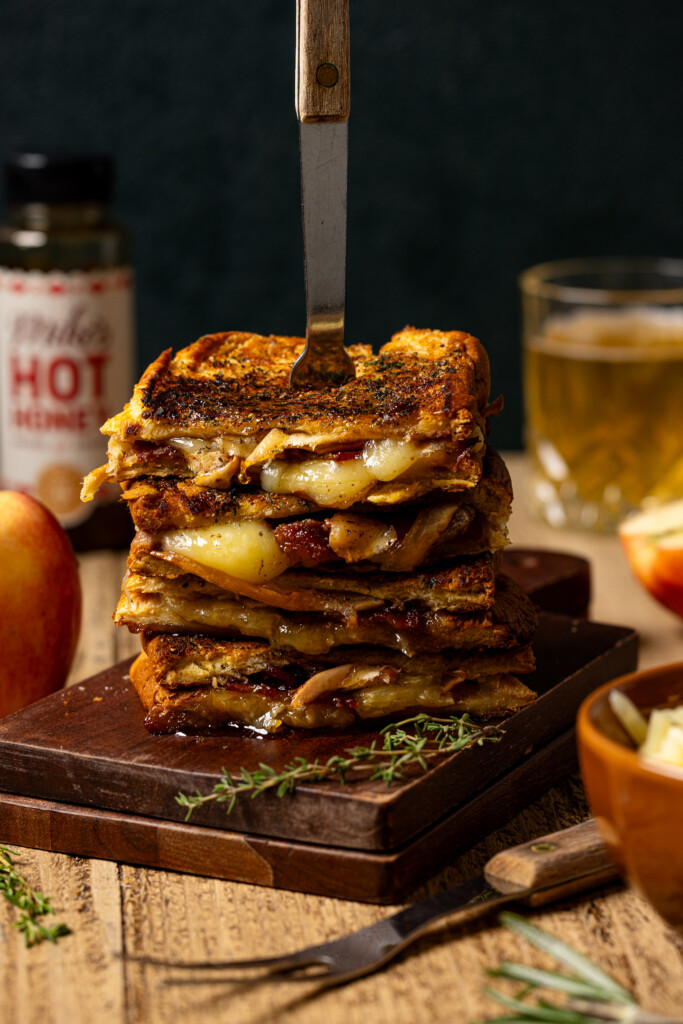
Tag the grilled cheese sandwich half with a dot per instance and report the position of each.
(198, 684)
(189, 605)
(412, 421)
(465, 585)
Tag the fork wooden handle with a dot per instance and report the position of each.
(576, 855)
(323, 81)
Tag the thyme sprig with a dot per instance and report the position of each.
(413, 743)
(594, 997)
(30, 904)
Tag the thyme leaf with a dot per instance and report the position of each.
(30, 904)
(412, 743)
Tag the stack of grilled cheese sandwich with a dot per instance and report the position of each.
(311, 558)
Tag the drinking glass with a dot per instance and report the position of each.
(603, 387)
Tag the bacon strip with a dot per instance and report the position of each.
(305, 542)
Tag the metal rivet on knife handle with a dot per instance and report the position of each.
(541, 863)
(327, 75)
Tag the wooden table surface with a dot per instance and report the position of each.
(117, 910)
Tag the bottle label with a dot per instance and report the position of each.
(66, 364)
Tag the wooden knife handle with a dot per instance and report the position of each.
(323, 83)
(561, 864)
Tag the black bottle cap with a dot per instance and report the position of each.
(59, 178)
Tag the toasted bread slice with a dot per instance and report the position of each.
(222, 411)
(424, 383)
(184, 661)
(465, 585)
(200, 685)
(169, 503)
(189, 605)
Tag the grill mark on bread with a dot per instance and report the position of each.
(243, 379)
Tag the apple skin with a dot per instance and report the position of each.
(653, 542)
(40, 602)
(660, 570)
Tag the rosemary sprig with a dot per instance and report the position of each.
(594, 997)
(414, 742)
(30, 903)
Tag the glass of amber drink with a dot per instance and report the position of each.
(603, 387)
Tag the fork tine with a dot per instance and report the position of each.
(294, 972)
(338, 961)
(273, 965)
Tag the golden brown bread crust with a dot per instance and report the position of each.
(496, 483)
(166, 503)
(423, 383)
(180, 661)
(189, 605)
(208, 708)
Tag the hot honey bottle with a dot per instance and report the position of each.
(66, 336)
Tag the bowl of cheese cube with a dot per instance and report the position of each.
(630, 735)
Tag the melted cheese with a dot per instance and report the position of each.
(246, 550)
(324, 481)
(189, 445)
(388, 458)
(341, 483)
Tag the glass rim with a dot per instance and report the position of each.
(537, 281)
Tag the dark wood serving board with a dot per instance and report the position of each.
(371, 877)
(556, 580)
(87, 747)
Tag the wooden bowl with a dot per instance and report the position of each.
(638, 803)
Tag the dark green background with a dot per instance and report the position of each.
(485, 135)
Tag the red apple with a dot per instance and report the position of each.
(40, 602)
(653, 542)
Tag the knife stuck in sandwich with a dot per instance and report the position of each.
(322, 106)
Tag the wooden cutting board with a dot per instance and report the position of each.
(371, 877)
(556, 580)
(87, 747)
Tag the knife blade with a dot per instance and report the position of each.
(322, 104)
